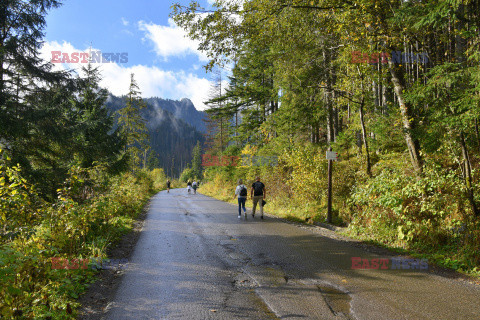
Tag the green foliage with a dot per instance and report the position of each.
(59, 197)
(66, 125)
(94, 138)
(308, 172)
(197, 162)
(92, 211)
(402, 210)
(187, 175)
(18, 202)
(132, 125)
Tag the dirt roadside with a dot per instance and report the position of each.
(103, 290)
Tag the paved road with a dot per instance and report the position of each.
(196, 260)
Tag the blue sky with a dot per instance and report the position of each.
(165, 63)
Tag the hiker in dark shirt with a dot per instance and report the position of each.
(194, 186)
(168, 186)
(258, 194)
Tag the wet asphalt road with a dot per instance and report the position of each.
(196, 260)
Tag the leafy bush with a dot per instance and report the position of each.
(186, 175)
(404, 210)
(92, 211)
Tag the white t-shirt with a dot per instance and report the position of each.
(238, 189)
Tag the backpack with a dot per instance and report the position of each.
(258, 188)
(243, 191)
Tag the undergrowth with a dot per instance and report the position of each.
(92, 212)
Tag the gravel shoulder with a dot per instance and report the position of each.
(103, 290)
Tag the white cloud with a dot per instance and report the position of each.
(125, 22)
(156, 82)
(171, 40)
(46, 52)
(151, 80)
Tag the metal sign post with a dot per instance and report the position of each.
(331, 156)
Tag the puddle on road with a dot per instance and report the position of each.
(338, 301)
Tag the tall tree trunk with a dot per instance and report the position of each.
(477, 133)
(408, 121)
(460, 45)
(364, 137)
(358, 135)
(2, 93)
(467, 169)
(236, 128)
(221, 134)
(3, 27)
(460, 42)
(335, 123)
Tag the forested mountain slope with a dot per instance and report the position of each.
(171, 138)
(182, 109)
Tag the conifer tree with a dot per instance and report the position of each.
(96, 139)
(197, 161)
(132, 125)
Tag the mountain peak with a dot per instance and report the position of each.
(183, 109)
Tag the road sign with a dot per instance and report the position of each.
(332, 155)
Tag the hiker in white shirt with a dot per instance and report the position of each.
(241, 192)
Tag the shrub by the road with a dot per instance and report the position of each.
(92, 211)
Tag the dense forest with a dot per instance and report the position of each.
(391, 86)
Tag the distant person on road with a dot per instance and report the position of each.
(194, 186)
(258, 194)
(241, 191)
(189, 186)
(168, 186)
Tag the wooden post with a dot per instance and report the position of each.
(329, 203)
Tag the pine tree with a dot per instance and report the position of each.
(197, 161)
(132, 125)
(94, 135)
(23, 75)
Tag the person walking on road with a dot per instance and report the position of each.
(168, 186)
(258, 194)
(242, 192)
(189, 186)
(194, 186)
